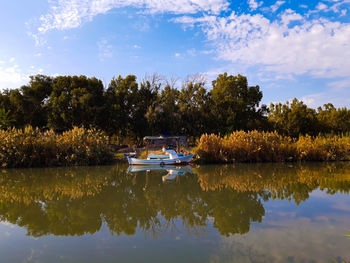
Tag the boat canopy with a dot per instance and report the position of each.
(162, 138)
(165, 141)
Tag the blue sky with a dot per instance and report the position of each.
(289, 48)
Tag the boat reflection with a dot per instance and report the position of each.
(172, 171)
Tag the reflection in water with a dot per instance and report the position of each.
(172, 171)
(77, 201)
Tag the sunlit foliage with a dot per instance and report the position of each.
(30, 147)
(255, 146)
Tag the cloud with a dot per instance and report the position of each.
(290, 44)
(321, 6)
(343, 12)
(253, 4)
(66, 14)
(277, 5)
(12, 76)
(337, 91)
(105, 50)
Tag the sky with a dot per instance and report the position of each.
(290, 48)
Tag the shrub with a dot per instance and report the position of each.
(323, 148)
(32, 148)
(254, 146)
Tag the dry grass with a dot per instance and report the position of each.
(32, 148)
(257, 146)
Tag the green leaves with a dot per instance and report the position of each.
(6, 119)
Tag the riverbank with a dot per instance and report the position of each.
(255, 146)
(32, 148)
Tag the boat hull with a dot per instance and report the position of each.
(180, 160)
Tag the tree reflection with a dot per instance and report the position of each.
(77, 201)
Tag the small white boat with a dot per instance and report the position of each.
(171, 157)
(172, 171)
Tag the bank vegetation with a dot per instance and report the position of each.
(30, 147)
(255, 146)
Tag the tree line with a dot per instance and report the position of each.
(128, 108)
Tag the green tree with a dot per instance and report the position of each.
(6, 120)
(34, 100)
(163, 116)
(235, 104)
(332, 120)
(194, 109)
(121, 98)
(145, 97)
(76, 101)
(293, 118)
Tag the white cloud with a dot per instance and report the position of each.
(253, 4)
(13, 76)
(319, 99)
(317, 47)
(336, 7)
(10, 75)
(321, 6)
(105, 50)
(67, 14)
(177, 55)
(277, 5)
(136, 46)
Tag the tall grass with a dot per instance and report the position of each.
(254, 146)
(32, 148)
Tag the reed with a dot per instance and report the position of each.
(255, 146)
(32, 148)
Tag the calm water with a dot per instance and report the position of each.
(237, 213)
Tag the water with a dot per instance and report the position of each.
(235, 213)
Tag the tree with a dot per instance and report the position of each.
(293, 118)
(234, 103)
(121, 97)
(163, 116)
(333, 120)
(75, 101)
(34, 100)
(194, 109)
(6, 120)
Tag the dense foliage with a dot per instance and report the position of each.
(254, 146)
(130, 109)
(31, 147)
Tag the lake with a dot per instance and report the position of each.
(209, 213)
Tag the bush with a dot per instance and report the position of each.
(257, 146)
(32, 148)
(323, 149)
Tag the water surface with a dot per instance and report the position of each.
(233, 213)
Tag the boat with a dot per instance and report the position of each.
(169, 158)
(172, 171)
